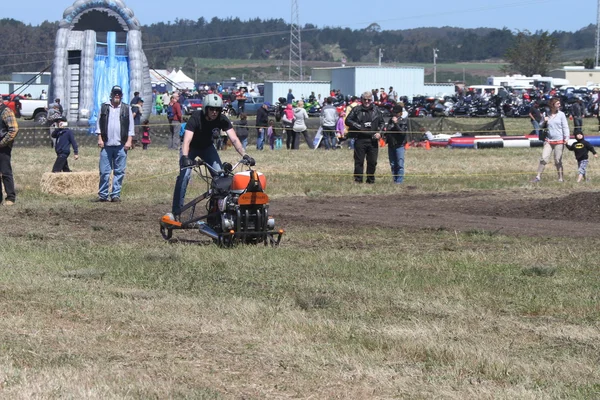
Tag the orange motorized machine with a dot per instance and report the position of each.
(236, 208)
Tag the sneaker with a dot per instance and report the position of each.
(116, 200)
(536, 179)
(560, 180)
(9, 203)
(100, 200)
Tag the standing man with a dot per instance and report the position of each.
(262, 122)
(8, 132)
(577, 113)
(175, 122)
(536, 117)
(115, 135)
(290, 97)
(198, 142)
(241, 100)
(329, 117)
(392, 94)
(365, 122)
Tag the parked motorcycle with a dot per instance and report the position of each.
(236, 207)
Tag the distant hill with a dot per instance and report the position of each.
(266, 42)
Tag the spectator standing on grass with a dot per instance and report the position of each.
(290, 96)
(558, 134)
(115, 136)
(262, 122)
(241, 128)
(65, 139)
(329, 117)
(536, 117)
(9, 128)
(287, 122)
(582, 148)
(166, 99)
(137, 116)
(146, 134)
(396, 139)
(365, 122)
(577, 113)
(300, 118)
(175, 119)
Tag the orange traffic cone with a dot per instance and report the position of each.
(427, 145)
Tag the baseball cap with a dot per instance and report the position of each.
(116, 90)
(266, 103)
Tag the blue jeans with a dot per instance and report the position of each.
(260, 138)
(244, 142)
(112, 158)
(396, 156)
(536, 127)
(209, 155)
(329, 137)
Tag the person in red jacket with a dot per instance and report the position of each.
(175, 119)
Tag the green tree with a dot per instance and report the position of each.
(532, 53)
(588, 63)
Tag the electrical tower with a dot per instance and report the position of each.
(295, 73)
(597, 37)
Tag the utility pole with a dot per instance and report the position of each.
(435, 64)
(295, 71)
(381, 54)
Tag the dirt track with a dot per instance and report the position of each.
(515, 213)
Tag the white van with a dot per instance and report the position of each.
(481, 89)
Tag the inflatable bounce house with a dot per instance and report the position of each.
(98, 45)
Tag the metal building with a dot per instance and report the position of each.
(407, 81)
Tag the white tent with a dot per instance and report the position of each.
(182, 81)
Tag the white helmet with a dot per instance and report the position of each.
(213, 100)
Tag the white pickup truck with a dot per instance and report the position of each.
(29, 109)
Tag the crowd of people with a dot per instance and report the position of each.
(363, 124)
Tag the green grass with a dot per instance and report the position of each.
(94, 307)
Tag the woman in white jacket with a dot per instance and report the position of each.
(301, 116)
(557, 137)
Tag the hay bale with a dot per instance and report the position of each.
(70, 183)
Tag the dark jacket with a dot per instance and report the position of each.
(396, 133)
(262, 117)
(104, 110)
(241, 129)
(364, 122)
(64, 140)
(581, 148)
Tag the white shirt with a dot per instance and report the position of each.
(114, 125)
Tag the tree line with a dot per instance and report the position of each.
(28, 47)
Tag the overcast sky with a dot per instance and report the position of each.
(533, 15)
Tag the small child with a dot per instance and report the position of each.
(145, 134)
(64, 140)
(271, 134)
(278, 136)
(581, 147)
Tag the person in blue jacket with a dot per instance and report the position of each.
(64, 140)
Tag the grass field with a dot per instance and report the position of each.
(94, 305)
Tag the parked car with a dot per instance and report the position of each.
(30, 108)
(191, 105)
(252, 105)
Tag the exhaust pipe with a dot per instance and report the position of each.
(207, 230)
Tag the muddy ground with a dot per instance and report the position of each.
(515, 212)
